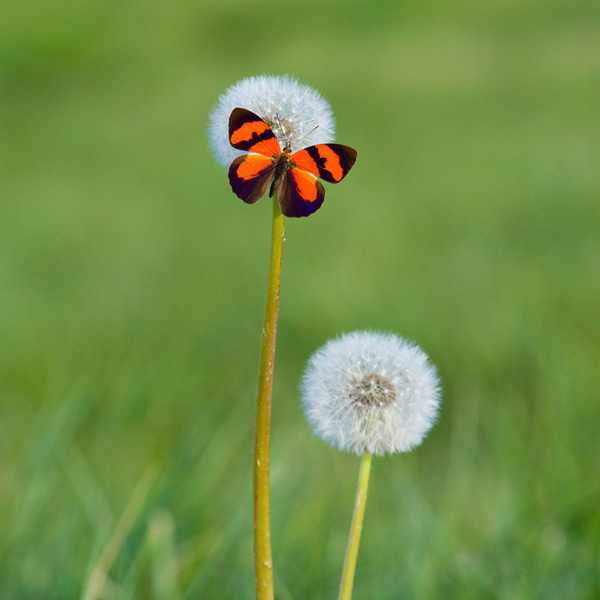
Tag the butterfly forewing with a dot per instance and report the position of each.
(248, 132)
(250, 176)
(330, 162)
(300, 193)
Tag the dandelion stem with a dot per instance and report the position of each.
(263, 561)
(355, 529)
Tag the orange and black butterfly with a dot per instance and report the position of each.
(294, 176)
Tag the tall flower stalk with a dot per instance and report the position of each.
(274, 135)
(263, 560)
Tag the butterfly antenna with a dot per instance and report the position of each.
(307, 134)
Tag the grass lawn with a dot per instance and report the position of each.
(132, 284)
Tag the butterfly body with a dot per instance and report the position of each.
(292, 175)
(281, 167)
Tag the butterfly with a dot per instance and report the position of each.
(293, 176)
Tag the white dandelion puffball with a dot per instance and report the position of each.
(297, 114)
(370, 393)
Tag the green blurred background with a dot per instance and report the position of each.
(132, 285)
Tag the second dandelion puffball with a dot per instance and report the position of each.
(370, 393)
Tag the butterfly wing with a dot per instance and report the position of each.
(250, 176)
(330, 162)
(300, 193)
(248, 132)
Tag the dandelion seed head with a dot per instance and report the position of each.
(370, 393)
(296, 113)
(371, 390)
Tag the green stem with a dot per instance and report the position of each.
(263, 561)
(355, 529)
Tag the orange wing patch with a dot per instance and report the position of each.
(245, 132)
(250, 176)
(330, 162)
(250, 133)
(305, 184)
(266, 147)
(253, 166)
(303, 160)
(300, 193)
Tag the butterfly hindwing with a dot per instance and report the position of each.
(300, 193)
(330, 162)
(250, 176)
(248, 132)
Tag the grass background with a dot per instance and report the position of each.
(132, 285)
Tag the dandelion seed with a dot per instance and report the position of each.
(370, 393)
